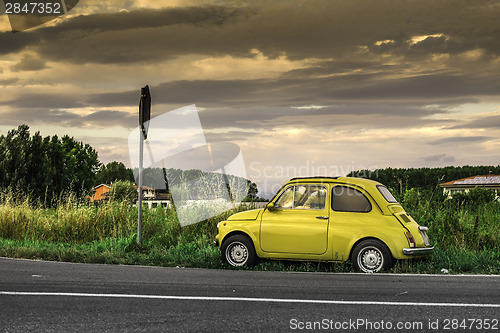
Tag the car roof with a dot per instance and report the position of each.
(347, 180)
(363, 183)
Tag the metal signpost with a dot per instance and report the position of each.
(144, 116)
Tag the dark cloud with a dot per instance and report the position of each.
(265, 104)
(368, 115)
(7, 82)
(429, 87)
(446, 89)
(439, 158)
(230, 136)
(387, 109)
(321, 68)
(140, 35)
(29, 63)
(438, 45)
(484, 122)
(207, 92)
(252, 103)
(44, 101)
(14, 42)
(460, 140)
(428, 46)
(256, 118)
(32, 115)
(99, 119)
(299, 29)
(359, 100)
(106, 118)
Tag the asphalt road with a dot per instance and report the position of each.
(43, 296)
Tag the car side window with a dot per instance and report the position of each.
(348, 199)
(309, 197)
(302, 197)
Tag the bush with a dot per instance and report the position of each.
(122, 190)
(474, 197)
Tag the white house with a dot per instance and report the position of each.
(464, 185)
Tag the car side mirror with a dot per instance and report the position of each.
(270, 207)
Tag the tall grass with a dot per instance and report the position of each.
(454, 224)
(466, 236)
(77, 230)
(68, 223)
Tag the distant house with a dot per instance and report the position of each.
(154, 198)
(100, 192)
(148, 193)
(464, 185)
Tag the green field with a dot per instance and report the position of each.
(465, 232)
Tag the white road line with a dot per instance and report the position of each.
(249, 299)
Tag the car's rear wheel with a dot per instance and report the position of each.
(238, 250)
(371, 256)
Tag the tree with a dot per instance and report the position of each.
(43, 168)
(112, 172)
(252, 192)
(426, 178)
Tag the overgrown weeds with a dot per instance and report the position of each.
(465, 233)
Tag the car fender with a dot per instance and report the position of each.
(394, 244)
(343, 243)
(227, 229)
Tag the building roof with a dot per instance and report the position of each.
(96, 187)
(489, 180)
(144, 187)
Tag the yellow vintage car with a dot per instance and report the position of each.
(325, 219)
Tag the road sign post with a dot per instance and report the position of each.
(144, 116)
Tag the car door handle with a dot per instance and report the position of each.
(322, 217)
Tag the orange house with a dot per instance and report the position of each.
(100, 191)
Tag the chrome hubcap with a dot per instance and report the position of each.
(370, 260)
(237, 254)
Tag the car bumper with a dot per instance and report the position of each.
(418, 251)
(216, 242)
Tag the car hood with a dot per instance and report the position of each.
(246, 215)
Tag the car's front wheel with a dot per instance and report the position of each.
(371, 256)
(238, 250)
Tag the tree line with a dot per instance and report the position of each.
(401, 179)
(200, 183)
(44, 168)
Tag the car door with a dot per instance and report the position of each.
(299, 221)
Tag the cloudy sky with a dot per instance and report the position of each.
(303, 87)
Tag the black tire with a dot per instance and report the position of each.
(371, 256)
(238, 250)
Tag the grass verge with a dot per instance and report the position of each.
(466, 238)
(201, 255)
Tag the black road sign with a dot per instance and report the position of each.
(145, 110)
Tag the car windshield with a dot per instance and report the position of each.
(386, 194)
